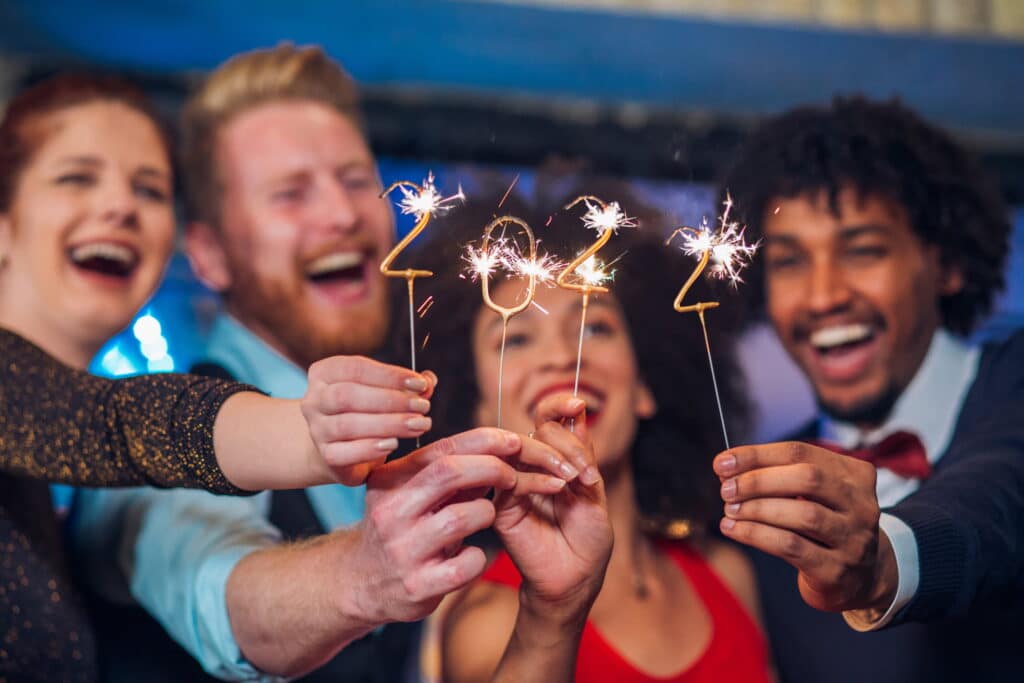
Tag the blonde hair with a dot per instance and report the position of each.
(285, 72)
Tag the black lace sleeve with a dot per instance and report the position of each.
(65, 425)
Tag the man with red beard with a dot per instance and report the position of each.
(904, 500)
(287, 223)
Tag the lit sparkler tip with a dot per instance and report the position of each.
(605, 217)
(420, 200)
(729, 251)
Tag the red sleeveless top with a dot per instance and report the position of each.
(736, 652)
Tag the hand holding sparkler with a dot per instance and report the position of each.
(731, 254)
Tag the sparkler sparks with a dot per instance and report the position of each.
(604, 217)
(729, 252)
(424, 199)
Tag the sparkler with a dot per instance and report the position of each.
(421, 201)
(728, 254)
(502, 253)
(590, 272)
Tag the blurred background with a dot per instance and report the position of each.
(659, 92)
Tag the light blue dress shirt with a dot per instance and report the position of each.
(177, 548)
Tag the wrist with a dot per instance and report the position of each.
(555, 614)
(352, 590)
(886, 576)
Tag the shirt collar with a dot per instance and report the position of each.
(930, 404)
(250, 359)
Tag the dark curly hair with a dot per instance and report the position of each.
(885, 150)
(672, 452)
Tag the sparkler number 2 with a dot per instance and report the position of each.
(423, 218)
(604, 233)
(702, 306)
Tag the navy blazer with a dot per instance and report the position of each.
(968, 520)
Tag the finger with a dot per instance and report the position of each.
(798, 551)
(449, 526)
(342, 454)
(432, 381)
(572, 449)
(746, 458)
(360, 426)
(362, 370)
(441, 479)
(480, 441)
(528, 483)
(537, 453)
(804, 480)
(440, 578)
(555, 407)
(348, 397)
(804, 517)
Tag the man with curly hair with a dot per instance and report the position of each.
(883, 245)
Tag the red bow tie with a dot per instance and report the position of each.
(901, 452)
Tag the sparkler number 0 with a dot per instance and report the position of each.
(507, 312)
(702, 306)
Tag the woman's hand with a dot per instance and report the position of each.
(358, 408)
(560, 543)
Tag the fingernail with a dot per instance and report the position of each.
(418, 424)
(576, 403)
(568, 470)
(590, 476)
(416, 384)
(387, 444)
(419, 405)
(556, 483)
(728, 524)
(729, 489)
(727, 465)
(732, 508)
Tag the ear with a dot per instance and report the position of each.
(951, 280)
(206, 255)
(5, 238)
(646, 407)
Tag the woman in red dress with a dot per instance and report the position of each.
(677, 603)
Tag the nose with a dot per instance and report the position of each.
(338, 210)
(829, 290)
(560, 352)
(117, 203)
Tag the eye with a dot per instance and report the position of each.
(782, 262)
(598, 328)
(360, 183)
(288, 195)
(76, 178)
(868, 252)
(151, 192)
(516, 340)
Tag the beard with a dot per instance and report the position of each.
(281, 314)
(872, 410)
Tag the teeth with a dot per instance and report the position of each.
(830, 337)
(106, 250)
(332, 262)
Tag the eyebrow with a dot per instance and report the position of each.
(854, 231)
(87, 160)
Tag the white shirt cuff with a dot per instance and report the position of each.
(904, 547)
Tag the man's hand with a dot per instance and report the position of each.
(818, 511)
(420, 509)
(358, 408)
